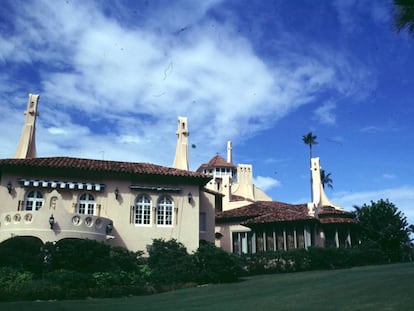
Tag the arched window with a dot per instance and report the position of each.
(165, 211)
(142, 210)
(87, 204)
(34, 201)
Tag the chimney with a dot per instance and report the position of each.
(229, 152)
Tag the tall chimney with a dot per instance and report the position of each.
(229, 152)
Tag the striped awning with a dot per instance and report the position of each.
(72, 185)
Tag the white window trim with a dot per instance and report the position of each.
(142, 206)
(34, 200)
(86, 203)
(163, 204)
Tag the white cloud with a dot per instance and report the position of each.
(56, 131)
(402, 197)
(388, 176)
(123, 85)
(324, 114)
(350, 10)
(266, 183)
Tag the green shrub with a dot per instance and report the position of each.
(170, 263)
(68, 279)
(11, 280)
(79, 255)
(22, 253)
(313, 258)
(121, 259)
(276, 262)
(118, 278)
(214, 265)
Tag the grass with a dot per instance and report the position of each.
(386, 287)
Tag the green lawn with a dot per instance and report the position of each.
(387, 287)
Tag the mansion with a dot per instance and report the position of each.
(123, 203)
(249, 221)
(129, 204)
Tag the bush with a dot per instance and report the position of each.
(85, 256)
(69, 280)
(122, 259)
(277, 262)
(214, 265)
(23, 253)
(170, 263)
(11, 281)
(313, 258)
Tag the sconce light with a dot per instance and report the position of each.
(116, 193)
(9, 187)
(51, 221)
(190, 197)
(109, 228)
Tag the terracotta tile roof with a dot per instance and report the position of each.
(265, 212)
(89, 165)
(262, 212)
(216, 161)
(236, 198)
(330, 215)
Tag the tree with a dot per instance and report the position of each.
(404, 15)
(326, 179)
(170, 263)
(310, 140)
(214, 265)
(382, 226)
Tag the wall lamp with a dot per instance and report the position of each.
(116, 193)
(51, 221)
(9, 187)
(190, 197)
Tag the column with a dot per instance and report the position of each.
(348, 238)
(253, 242)
(305, 236)
(295, 239)
(336, 238)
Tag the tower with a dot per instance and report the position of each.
(181, 151)
(27, 143)
(229, 152)
(318, 193)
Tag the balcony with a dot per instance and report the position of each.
(62, 225)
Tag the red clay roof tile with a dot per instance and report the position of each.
(216, 161)
(262, 212)
(101, 166)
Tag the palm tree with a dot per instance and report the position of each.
(404, 15)
(326, 179)
(310, 140)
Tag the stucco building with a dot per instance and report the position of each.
(124, 203)
(250, 221)
(129, 204)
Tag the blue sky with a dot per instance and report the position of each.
(113, 77)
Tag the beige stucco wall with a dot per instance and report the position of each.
(207, 203)
(225, 242)
(185, 226)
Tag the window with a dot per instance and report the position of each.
(243, 243)
(34, 201)
(87, 204)
(142, 210)
(165, 211)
